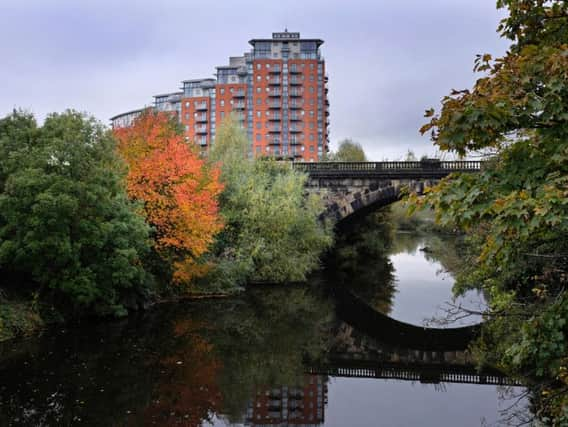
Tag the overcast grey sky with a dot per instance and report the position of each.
(387, 60)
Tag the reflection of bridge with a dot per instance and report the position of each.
(424, 372)
(369, 344)
(387, 330)
(348, 187)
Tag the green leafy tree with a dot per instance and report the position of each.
(66, 224)
(516, 209)
(272, 230)
(348, 151)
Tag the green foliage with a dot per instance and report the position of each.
(516, 209)
(272, 231)
(17, 319)
(65, 221)
(348, 151)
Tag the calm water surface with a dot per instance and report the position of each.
(273, 356)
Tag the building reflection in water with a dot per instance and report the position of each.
(289, 406)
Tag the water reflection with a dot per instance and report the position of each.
(179, 365)
(406, 276)
(274, 356)
(360, 261)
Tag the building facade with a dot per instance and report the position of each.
(277, 92)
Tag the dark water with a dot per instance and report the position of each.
(274, 356)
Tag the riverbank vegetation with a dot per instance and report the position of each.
(70, 238)
(515, 211)
(96, 223)
(265, 210)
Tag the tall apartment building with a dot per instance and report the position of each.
(277, 91)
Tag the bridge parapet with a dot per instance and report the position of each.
(431, 168)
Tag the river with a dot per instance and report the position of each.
(276, 355)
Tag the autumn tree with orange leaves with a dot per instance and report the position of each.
(178, 192)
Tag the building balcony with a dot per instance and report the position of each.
(296, 140)
(296, 129)
(240, 105)
(295, 70)
(274, 92)
(275, 70)
(296, 117)
(201, 106)
(201, 118)
(274, 141)
(274, 81)
(201, 141)
(240, 93)
(294, 92)
(201, 129)
(296, 105)
(295, 81)
(275, 118)
(275, 129)
(274, 104)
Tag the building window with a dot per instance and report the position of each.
(312, 137)
(259, 125)
(222, 114)
(259, 77)
(258, 65)
(221, 103)
(258, 89)
(258, 137)
(258, 114)
(187, 105)
(222, 91)
(258, 101)
(186, 116)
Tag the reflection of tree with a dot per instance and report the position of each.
(360, 260)
(186, 392)
(174, 365)
(264, 340)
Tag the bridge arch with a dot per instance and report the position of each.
(350, 187)
(354, 311)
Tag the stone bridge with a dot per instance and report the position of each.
(350, 187)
